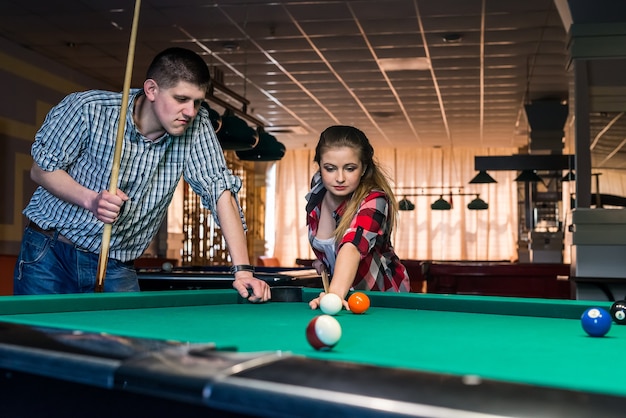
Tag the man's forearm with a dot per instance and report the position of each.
(63, 186)
(232, 228)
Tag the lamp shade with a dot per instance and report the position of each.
(529, 176)
(478, 204)
(267, 149)
(441, 204)
(214, 116)
(406, 204)
(235, 134)
(216, 120)
(570, 176)
(482, 178)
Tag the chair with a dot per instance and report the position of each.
(267, 261)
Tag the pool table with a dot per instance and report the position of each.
(211, 353)
(220, 277)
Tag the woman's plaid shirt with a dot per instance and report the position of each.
(370, 230)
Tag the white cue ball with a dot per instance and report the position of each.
(331, 304)
(167, 267)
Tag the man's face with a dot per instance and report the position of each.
(177, 106)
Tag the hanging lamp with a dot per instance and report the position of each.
(441, 204)
(405, 204)
(478, 204)
(482, 178)
(529, 176)
(214, 117)
(267, 149)
(235, 134)
(570, 176)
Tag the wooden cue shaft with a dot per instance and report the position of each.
(325, 280)
(115, 169)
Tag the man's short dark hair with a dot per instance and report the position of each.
(176, 64)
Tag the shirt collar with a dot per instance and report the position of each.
(130, 119)
(317, 193)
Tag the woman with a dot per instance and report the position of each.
(350, 215)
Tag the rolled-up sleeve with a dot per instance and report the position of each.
(59, 139)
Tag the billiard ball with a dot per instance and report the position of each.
(167, 267)
(358, 302)
(323, 332)
(331, 304)
(596, 322)
(618, 312)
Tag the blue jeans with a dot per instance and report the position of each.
(46, 265)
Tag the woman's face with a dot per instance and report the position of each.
(341, 170)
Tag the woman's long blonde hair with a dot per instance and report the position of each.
(373, 177)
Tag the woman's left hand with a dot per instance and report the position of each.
(315, 303)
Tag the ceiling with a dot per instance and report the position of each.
(305, 65)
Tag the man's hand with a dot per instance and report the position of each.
(107, 206)
(251, 288)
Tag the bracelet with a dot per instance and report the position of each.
(241, 267)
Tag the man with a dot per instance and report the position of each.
(167, 135)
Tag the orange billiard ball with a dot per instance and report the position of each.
(358, 302)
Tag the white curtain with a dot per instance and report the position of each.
(422, 234)
(293, 177)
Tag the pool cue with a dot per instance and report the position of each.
(115, 170)
(325, 280)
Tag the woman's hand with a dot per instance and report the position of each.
(319, 266)
(315, 303)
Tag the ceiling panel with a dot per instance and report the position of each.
(305, 65)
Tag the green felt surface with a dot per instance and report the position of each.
(548, 348)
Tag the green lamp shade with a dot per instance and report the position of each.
(482, 178)
(529, 176)
(235, 134)
(478, 204)
(214, 117)
(441, 204)
(406, 204)
(570, 176)
(267, 149)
